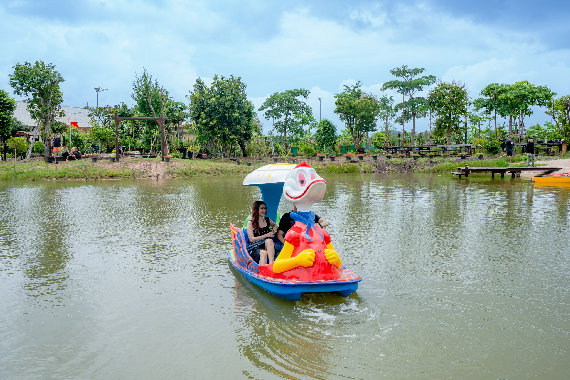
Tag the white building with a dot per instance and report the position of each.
(76, 115)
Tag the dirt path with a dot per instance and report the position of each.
(152, 169)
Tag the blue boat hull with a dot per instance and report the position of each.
(293, 290)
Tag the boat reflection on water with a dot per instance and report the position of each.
(290, 340)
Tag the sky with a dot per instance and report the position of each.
(319, 45)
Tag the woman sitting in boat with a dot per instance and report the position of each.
(260, 232)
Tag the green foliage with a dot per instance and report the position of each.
(448, 101)
(342, 168)
(222, 113)
(358, 110)
(478, 143)
(289, 111)
(387, 112)
(58, 127)
(309, 150)
(149, 96)
(408, 86)
(492, 146)
(79, 139)
(559, 110)
(325, 136)
(38, 147)
(175, 113)
(410, 83)
(549, 131)
(103, 136)
(17, 125)
(522, 96)
(151, 101)
(378, 139)
(513, 101)
(7, 107)
(396, 161)
(40, 83)
(258, 146)
(278, 149)
(17, 144)
(445, 165)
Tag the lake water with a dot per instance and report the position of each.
(462, 279)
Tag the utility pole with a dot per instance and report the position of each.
(320, 109)
(98, 90)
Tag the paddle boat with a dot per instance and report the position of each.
(308, 262)
(559, 179)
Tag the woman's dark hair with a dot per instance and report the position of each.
(255, 214)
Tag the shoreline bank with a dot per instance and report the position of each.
(154, 168)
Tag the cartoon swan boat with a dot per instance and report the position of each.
(308, 262)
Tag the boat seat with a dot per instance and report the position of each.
(243, 259)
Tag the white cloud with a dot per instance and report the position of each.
(105, 42)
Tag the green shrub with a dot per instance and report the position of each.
(397, 161)
(347, 168)
(278, 150)
(38, 147)
(492, 146)
(308, 150)
(18, 144)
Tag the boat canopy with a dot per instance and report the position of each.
(270, 179)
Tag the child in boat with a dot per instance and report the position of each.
(260, 232)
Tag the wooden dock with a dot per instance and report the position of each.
(514, 170)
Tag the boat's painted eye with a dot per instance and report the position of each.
(312, 176)
(302, 180)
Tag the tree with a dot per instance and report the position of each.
(149, 96)
(18, 145)
(559, 110)
(513, 101)
(102, 118)
(368, 113)
(41, 83)
(289, 111)
(175, 115)
(325, 136)
(519, 99)
(387, 112)
(416, 107)
(222, 113)
(490, 103)
(103, 136)
(409, 85)
(151, 100)
(449, 103)
(379, 139)
(475, 120)
(358, 110)
(7, 107)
